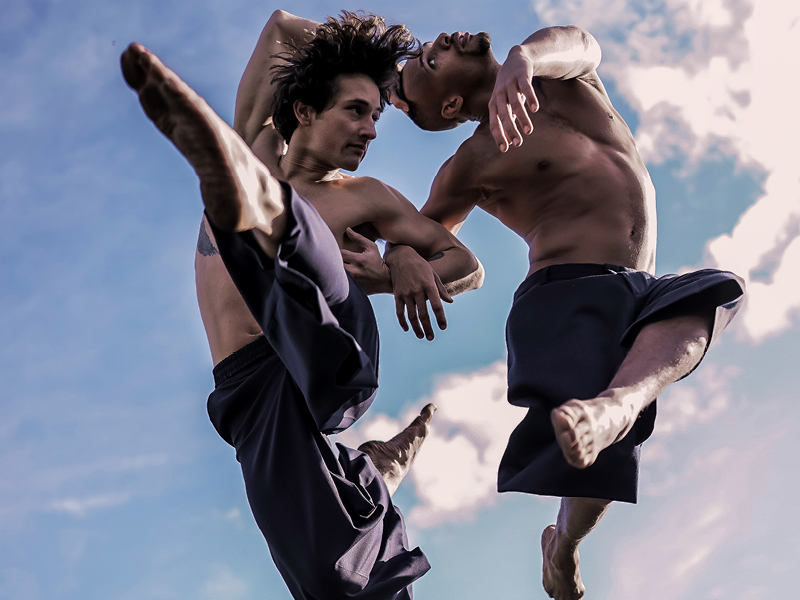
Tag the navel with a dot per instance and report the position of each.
(543, 164)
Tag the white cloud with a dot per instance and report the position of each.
(80, 506)
(690, 533)
(224, 585)
(456, 471)
(727, 88)
(699, 400)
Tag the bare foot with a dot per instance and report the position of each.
(585, 427)
(393, 459)
(561, 577)
(238, 191)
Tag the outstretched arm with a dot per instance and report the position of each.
(255, 99)
(551, 53)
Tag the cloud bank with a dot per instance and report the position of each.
(456, 471)
(710, 76)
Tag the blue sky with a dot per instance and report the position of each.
(114, 484)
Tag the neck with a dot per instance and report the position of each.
(300, 166)
(476, 106)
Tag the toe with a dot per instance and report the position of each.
(427, 412)
(132, 70)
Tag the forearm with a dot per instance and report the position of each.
(560, 52)
(457, 267)
(255, 97)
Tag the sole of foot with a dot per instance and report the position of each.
(233, 181)
(394, 458)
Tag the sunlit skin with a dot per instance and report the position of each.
(555, 162)
(240, 193)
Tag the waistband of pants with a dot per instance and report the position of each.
(240, 360)
(570, 271)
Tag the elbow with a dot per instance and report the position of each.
(478, 275)
(277, 24)
(279, 16)
(591, 47)
(470, 282)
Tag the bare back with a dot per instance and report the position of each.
(576, 190)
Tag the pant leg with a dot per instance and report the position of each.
(329, 522)
(318, 320)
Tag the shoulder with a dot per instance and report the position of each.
(380, 196)
(586, 89)
(463, 170)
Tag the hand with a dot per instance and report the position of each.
(366, 266)
(415, 283)
(512, 90)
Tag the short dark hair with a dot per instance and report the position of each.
(353, 43)
(423, 118)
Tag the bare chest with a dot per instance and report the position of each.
(340, 209)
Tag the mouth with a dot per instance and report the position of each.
(361, 148)
(462, 39)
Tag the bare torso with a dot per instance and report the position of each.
(227, 320)
(364, 204)
(576, 190)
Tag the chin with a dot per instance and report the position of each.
(350, 165)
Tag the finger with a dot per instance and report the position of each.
(526, 89)
(443, 293)
(400, 310)
(349, 257)
(358, 238)
(438, 310)
(509, 123)
(496, 128)
(424, 317)
(413, 319)
(518, 108)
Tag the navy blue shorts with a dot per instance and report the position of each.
(331, 527)
(568, 332)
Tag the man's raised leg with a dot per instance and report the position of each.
(238, 191)
(561, 576)
(663, 353)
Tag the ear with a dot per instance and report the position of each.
(302, 112)
(452, 107)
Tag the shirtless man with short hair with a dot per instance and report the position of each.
(293, 337)
(593, 336)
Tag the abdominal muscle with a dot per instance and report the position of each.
(601, 214)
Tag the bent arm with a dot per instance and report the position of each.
(255, 98)
(560, 52)
(453, 263)
(551, 53)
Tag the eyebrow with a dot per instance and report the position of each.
(364, 103)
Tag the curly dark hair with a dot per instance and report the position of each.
(354, 43)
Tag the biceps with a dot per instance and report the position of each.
(421, 233)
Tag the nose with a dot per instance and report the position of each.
(443, 40)
(368, 130)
